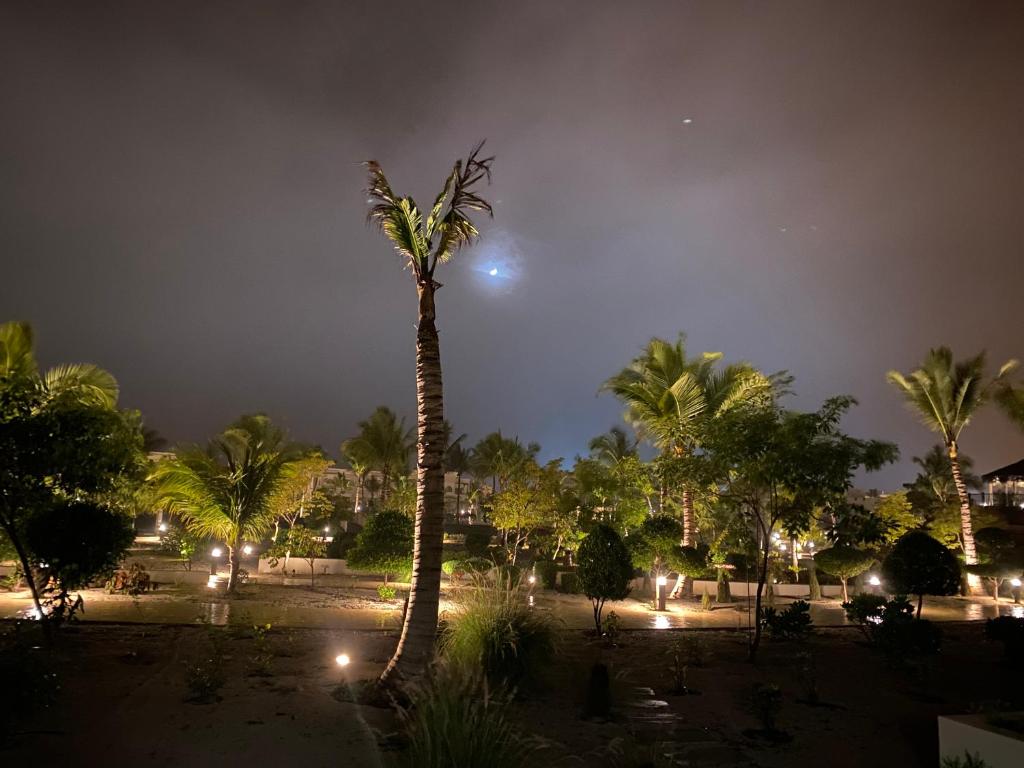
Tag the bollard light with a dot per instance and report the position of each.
(342, 660)
(662, 584)
(874, 581)
(1015, 582)
(216, 552)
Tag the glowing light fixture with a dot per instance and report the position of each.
(874, 581)
(1015, 583)
(163, 527)
(687, 120)
(493, 272)
(247, 549)
(662, 581)
(532, 579)
(342, 660)
(661, 622)
(216, 552)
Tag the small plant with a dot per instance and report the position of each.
(807, 676)
(629, 753)
(131, 581)
(967, 761)
(678, 669)
(386, 592)
(765, 703)
(259, 662)
(456, 719)
(204, 679)
(494, 630)
(1009, 631)
(791, 623)
(611, 626)
(707, 602)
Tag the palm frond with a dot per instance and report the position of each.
(84, 382)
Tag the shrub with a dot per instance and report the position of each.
(455, 720)
(890, 625)
(133, 581)
(967, 761)
(920, 565)
(766, 702)
(844, 563)
(478, 542)
(569, 583)
(204, 679)
(791, 623)
(338, 548)
(547, 573)
(494, 630)
(604, 569)
(707, 602)
(1009, 631)
(384, 546)
(386, 592)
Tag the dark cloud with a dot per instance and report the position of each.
(180, 200)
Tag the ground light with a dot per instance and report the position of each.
(247, 550)
(216, 552)
(874, 581)
(342, 660)
(662, 582)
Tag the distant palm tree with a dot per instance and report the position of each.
(224, 491)
(612, 447)
(500, 458)
(946, 395)
(384, 445)
(424, 242)
(670, 399)
(358, 458)
(456, 459)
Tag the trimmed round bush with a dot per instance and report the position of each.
(920, 565)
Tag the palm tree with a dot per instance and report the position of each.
(946, 395)
(424, 243)
(384, 445)
(612, 447)
(26, 392)
(224, 491)
(359, 460)
(457, 460)
(670, 398)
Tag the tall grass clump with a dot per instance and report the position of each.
(493, 628)
(455, 720)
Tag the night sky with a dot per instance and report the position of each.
(180, 201)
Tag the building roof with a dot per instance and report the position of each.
(1015, 470)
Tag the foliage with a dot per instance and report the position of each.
(384, 546)
(501, 459)
(547, 573)
(386, 593)
(920, 565)
(655, 545)
(1008, 630)
(78, 542)
(64, 448)
(494, 630)
(969, 760)
(791, 623)
(303, 543)
(528, 501)
(224, 492)
(457, 720)
(299, 494)
(897, 516)
(766, 703)
(133, 580)
(604, 569)
(890, 625)
(844, 563)
(478, 542)
(180, 543)
(204, 679)
(569, 583)
(383, 445)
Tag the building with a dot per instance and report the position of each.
(1003, 487)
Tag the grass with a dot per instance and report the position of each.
(495, 630)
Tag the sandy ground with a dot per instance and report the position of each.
(123, 692)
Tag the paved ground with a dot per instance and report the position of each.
(338, 607)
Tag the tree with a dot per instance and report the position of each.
(64, 446)
(1001, 558)
(303, 543)
(385, 545)
(671, 398)
(501, 458)
(780, 467)
(604, 569)
(844, 562)
(527, 502)
(300, 494)
(946, 395)
(920, 565)
(224, 491)
(424, 243)
(654, 545)
(897, 516)
(383, 445)
(457, 460)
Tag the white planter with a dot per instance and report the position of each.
(999, 748)
(300, 567)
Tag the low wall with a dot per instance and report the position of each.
(743, 588)
(999, 748)
(299, 567)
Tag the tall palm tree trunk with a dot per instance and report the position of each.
(419, 629)
(458, 496)
(234, 557)
(966, 529)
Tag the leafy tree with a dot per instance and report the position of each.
(671, 398)
(1001, 558)
(224, 491)
(897, 515)
(527, 502)
(384, 546)
(303, 543)
(844, 562)
(604, 569)
(423, 242)
(655, 544)
(300, 494)
(920, 565)
(180, 543)
(64, 447)
(780, 467)
(946, 395)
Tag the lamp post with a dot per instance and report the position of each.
(214, 554)
(1015, 583)
(662, 584)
